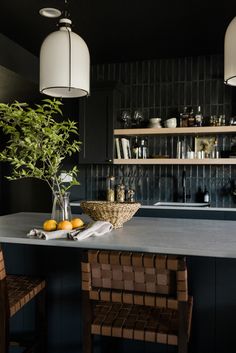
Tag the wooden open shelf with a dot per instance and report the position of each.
(206, 161)
(176, 131)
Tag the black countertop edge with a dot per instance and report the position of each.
(194, 214)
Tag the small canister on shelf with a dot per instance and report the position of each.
(130, 195)
(120, 193)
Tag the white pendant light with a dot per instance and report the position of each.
(64, 63)
(230, 54)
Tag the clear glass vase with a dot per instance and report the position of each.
(61, 209)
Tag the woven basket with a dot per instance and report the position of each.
(114, 212)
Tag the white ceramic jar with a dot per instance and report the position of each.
(171, 123)
(155, 123)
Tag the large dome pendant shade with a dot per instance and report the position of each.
(64, 64)
(230, 54)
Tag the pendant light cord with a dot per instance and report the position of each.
(67, 15)
(69, 36)
(66, 10)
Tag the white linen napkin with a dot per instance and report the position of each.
(42, 234)
(97, 228)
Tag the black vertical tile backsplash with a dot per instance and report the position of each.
(158, 88)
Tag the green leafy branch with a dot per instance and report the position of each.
(38, 144)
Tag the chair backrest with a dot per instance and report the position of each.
(2, 266)
(135, 278)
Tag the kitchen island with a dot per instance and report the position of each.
(193, 237)
(210, 247)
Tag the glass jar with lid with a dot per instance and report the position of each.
(120, 193)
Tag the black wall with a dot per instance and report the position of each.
(19, 81)
(162, 88)
(157, 88)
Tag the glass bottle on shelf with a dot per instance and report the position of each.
(222, 120)
(198, 117)
(191, 118)
(199, 195)
(215, 153)
(179, 149)
(206, 196)
(111, 189)
(183, 149)
(180, 119)
(184, 118)
(213, 120)
(135, 148)
(143, 150)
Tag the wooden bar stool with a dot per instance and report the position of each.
(137, 296)
(15, 292)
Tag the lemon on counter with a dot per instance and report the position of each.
(64, 225)
(77, 222)
(49, 225)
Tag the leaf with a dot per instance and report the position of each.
(37, 142)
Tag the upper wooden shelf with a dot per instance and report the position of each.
(176, 131)
(206, 161)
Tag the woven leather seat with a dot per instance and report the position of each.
(15, 292)
(136, 296)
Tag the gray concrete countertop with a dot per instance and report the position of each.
(195, 237)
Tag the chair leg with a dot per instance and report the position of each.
(41, 322)
(183, 328)
(87, 322)
(4, 336)
(4, 318)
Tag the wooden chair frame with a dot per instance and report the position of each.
(134, 279)
(11, 301)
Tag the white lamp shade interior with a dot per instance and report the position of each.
(64, 65)
(230, 54)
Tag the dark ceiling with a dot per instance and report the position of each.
(126, 30)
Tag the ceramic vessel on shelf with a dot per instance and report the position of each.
(154, 123)
(171, 123)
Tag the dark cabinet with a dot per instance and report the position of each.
(97, 115)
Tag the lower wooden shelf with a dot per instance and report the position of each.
(206, 161)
